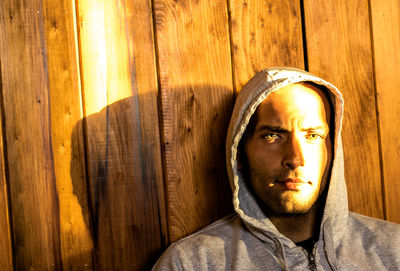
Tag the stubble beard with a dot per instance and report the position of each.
(290, 202)
(278, 202)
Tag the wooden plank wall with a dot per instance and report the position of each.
(386, 37)
(114, 113)
(196, 99)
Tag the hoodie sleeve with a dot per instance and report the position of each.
(173, 258)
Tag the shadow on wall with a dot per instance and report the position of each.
(124, 170)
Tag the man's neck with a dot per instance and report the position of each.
(299, 227)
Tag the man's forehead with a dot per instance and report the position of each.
(297, 91)
(298, 98)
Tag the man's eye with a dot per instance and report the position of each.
(314, 137)
(271, 137)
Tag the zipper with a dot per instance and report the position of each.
(311, 262)
(311, 259)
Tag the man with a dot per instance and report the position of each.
(285, 164)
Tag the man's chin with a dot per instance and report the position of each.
(292, 207)
(292, 210)
(287, 203)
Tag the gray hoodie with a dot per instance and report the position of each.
(247, 240)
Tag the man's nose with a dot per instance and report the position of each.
(294, 155)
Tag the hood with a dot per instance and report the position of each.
(252, 94)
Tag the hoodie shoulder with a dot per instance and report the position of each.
(370, 243)
(226, 244)
(203, 248)
(375, 229)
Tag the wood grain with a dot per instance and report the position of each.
(33, 193)
(386, 37)
(265, 34)
(124, 156)
(339, 50)
(196, 99)
(88, 193)
(66, 112)
(143, 46)
(5, 234)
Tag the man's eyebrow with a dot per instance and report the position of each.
(276, 129)
(316, 128)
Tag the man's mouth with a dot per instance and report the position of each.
(293, 184)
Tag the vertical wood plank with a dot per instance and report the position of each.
(196, 96)
(386, 38)
(34, 202)
(66, 112)
(265, 34)
(141, 38)
(5, 227)
(124, 156)
(339, 50)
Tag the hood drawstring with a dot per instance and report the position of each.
(282, 251)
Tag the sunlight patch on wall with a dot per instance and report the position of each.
(106, 61)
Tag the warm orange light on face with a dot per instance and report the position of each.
(288, 153)
(106, 59)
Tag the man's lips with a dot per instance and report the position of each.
(293, 183)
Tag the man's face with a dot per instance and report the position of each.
(289, 153)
